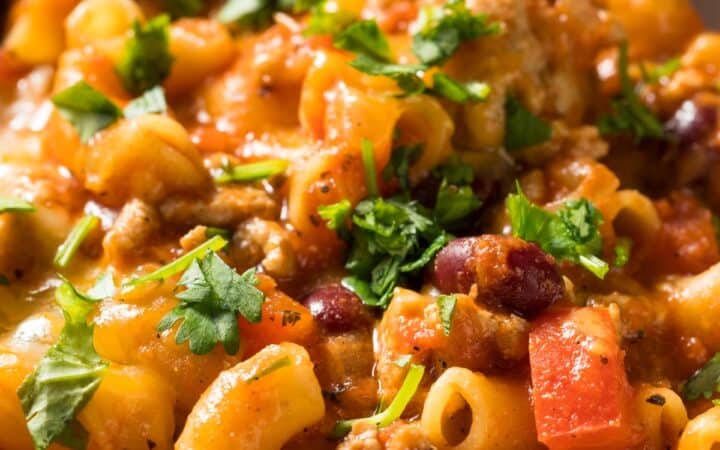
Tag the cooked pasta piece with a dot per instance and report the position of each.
(500, 416)
(94, 21)
(256, 405)
(702, 432)
(662, 414)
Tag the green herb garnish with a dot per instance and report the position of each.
(15, 205)
(180, 264)
(444, 28)
(446, 305)
(146, 58)
(629, 114)
(656, 73)
(394, 410)
(705, 382)
(183, 8)
(401, 159)
(87, 109)
(208, 308)
(65, 378)
(523, 128)
(571, 233)
(77, 235)
(245, 173)
(455, 91)
(368, 158)
(150, 102)
(622, 252)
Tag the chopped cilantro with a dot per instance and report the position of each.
(622, 252)
(211, 232)
(77, 235)
(446, 305)
(572, 233)
(208, 308)
(65, 378)
(325, 18)
(455, 198)
(151, 101)
(395, 408)
(368, 159)
(337, 215)
(629, 114)
(15, 205)
(444, 28)
(183, 8)
(180, 264)
(244, 173)
(705, 382)
(523, 128)
(401, 159)
(364, 38)
(405, 75)
(278, 364)
(657, 72)
(86, 108)
(146, 58)
(455, 91)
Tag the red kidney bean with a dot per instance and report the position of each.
(337, 309)
(509, 273)
(691, 122)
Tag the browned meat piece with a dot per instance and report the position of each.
(135, 225)
(264, 242)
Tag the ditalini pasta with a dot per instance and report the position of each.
(359, 225)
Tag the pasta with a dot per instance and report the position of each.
(359, 225)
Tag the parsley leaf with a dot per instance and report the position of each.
(15, 205)
(183, 8)
(622, 252)
(151, 101)
(446, 305)
(395, 408)
(73, 241)
(444, 29)
(572, 233)
(325, 18)
(86, 108)
(455, 198)
(146, 58)
(455, 91)
(368, 159)
(65, 378)
(705, 381)
(337, 215)
(245, 173)
(523, 128)
(365, 38)
(630, 115)
(209, 306)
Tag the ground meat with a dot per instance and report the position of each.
(398, 436)
(264, 242)
(363, 436)
(686, 242)
(225, 208)
(132, 230)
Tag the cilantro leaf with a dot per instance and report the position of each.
(446, 305)
(151, 101)
(705, 381)
(364, 38)
(572, 233)
(209, 306)
(15, 205)
(337, 215)
(395, 408)
(455, 91)
(245, 173)
(247, 13)
(86, 108)
(455, 198)
(368, 159)
(146, 58)
(405, 75)
(65, 378)
(444, 29)
(183, 8)
(629, 114)
(325, 18)
(523, 128)
(401, 159)
(73, 241)
(622, 252)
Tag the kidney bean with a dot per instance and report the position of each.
(691, 122)
(337, 309)
(509, 273)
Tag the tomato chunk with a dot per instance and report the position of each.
(581, 393)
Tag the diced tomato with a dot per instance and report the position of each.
(581, 393)
(283, 320)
